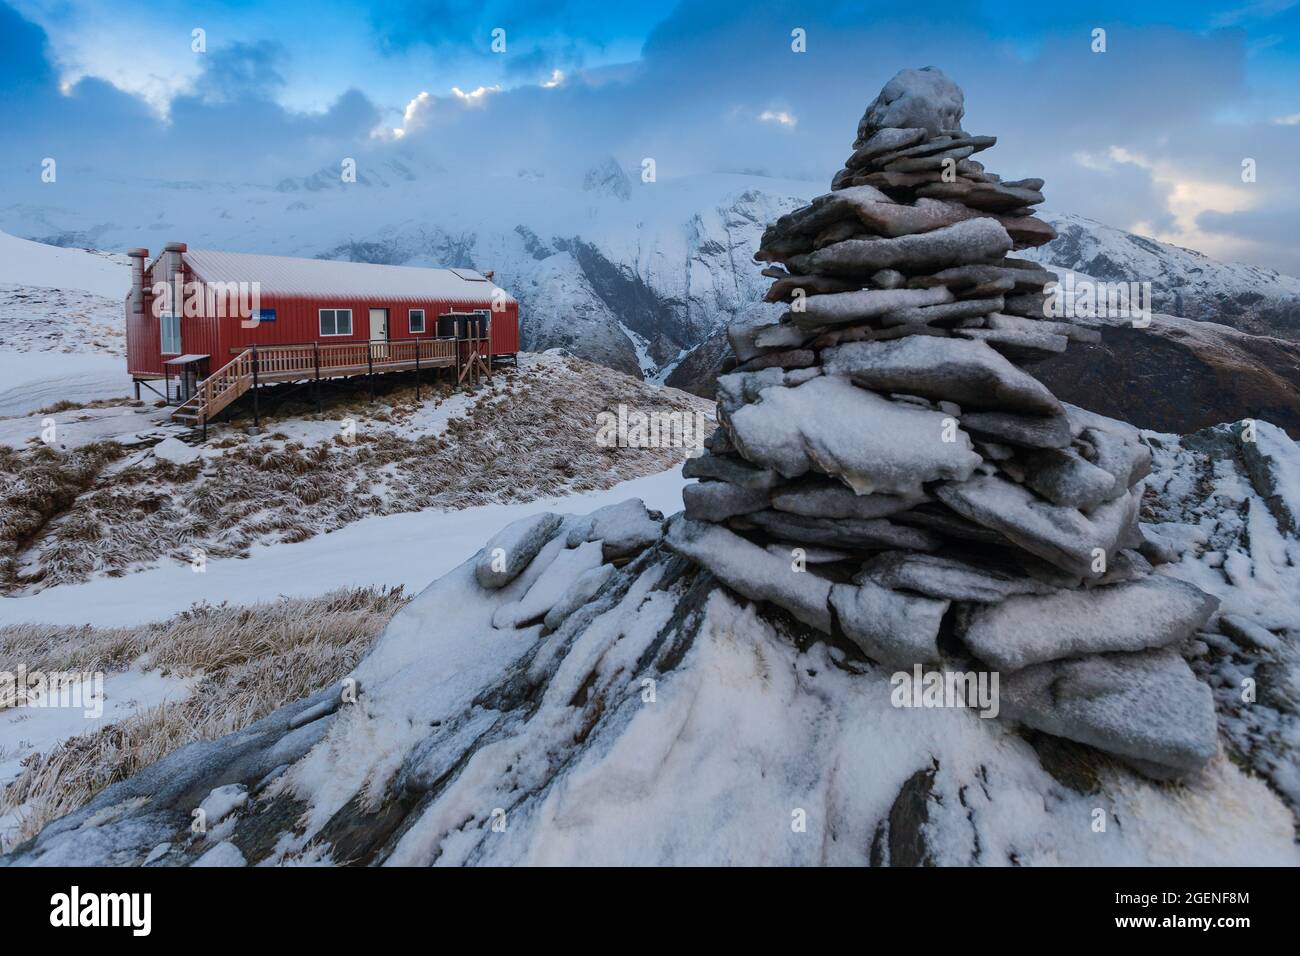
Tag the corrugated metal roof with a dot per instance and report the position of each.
(326, 278)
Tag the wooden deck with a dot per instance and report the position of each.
(276, 364)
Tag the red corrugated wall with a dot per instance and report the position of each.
(297, 321)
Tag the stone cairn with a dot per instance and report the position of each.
(886, 473)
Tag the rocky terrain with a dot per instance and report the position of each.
(800, 668)
(600, 679)
(1180, 375)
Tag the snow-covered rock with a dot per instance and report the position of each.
(667, 721)
(1131, 616)
(176, 452)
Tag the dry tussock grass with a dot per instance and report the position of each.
(529, 434)
(245, 662)
(38, 484)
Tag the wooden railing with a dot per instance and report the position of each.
(278, 360)
(277, 363)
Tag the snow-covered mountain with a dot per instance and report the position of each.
(631, 274)
(1183, 282)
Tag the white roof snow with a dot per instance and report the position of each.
(327, 278)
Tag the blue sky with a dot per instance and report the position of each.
(1149, 135)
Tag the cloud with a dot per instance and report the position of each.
(230, 125)
(241, 70)
(1133, 136)
(778, 116)
(475, 97)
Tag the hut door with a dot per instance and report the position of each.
(379, 333)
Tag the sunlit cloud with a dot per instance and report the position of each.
(475, 97)
(1292, 120)
(778, 116)
(1187, 197)
(557, 79)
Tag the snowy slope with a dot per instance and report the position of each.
(662, 721)
(36, 264)
(384, 551)
(61, 327)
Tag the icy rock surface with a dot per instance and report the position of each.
(832, 427)
(1147, 707)
(1133, 616)
(512, 548)
(923, 99)
(752, 571)
(624, 529)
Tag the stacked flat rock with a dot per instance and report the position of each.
(886, 472)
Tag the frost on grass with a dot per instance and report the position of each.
(527, 435)
(243, 663)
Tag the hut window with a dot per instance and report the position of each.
(417, 320)
(335, 321)
(170, 323)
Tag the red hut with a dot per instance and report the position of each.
(212, 325)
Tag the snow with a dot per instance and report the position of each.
(406, 549)
(511, 549)
(756, 573)
(223, 854)
(952, 369)
(563, 570)
(642, 348)
(321, 278)
(176, 451)
(582, 590)
(82, 426)
(624, 528)
(1133, 616)
(31, 730)
(1064, 536)
(1146, 706)
(743, 740)
(221, 802)
(34, 380)
(27, 263)
(869, 442)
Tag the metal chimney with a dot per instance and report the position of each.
(173, 270)
(138, 256)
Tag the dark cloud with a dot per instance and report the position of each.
(243, 70)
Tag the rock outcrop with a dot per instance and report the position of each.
(887, 472)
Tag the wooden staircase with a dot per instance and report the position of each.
(217, 391)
